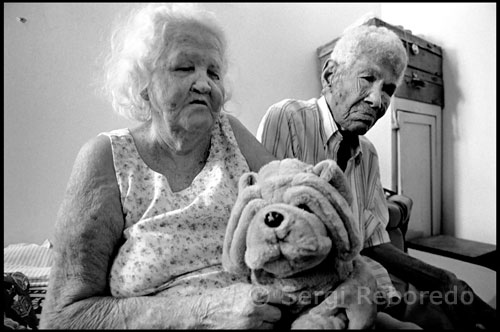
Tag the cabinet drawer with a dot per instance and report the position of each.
(421, 86)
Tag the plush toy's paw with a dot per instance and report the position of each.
(310, 321)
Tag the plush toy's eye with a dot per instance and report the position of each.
(304, 207)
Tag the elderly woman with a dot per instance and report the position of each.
(146, 208)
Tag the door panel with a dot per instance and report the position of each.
(417, 170)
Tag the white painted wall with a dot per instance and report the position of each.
(50, 106)
(51, 65)
(467, 34)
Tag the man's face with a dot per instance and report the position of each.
(360, 96)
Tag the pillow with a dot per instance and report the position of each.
(33, 260)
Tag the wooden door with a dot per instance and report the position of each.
(419, 164)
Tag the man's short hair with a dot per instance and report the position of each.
(378, 43)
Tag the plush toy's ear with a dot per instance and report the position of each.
(245, 207)
(340, 197)
(331, 172)
(246, 180)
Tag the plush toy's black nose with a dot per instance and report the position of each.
(273, 219)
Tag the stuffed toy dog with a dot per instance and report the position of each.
(291, 230)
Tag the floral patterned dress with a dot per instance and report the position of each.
(173, 240)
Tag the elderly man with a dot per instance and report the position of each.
(359, 79)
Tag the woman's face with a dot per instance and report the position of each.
(186, 88)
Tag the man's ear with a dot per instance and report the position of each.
(327, 72)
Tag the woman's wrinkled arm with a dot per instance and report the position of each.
(88, 232)
(254, 152)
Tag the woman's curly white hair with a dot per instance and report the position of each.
(377, 43)
(137, 46)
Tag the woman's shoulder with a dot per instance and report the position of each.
(122, 132)
(254, 152)
(92, 176)
(96, 155)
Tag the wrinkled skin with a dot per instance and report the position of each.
(351, 305)
(360, 96)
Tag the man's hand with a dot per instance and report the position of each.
(469, 312)
(351, 304)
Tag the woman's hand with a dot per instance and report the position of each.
(240, 306)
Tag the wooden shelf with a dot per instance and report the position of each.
(465, 250)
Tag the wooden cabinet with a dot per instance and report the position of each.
(408, 137)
